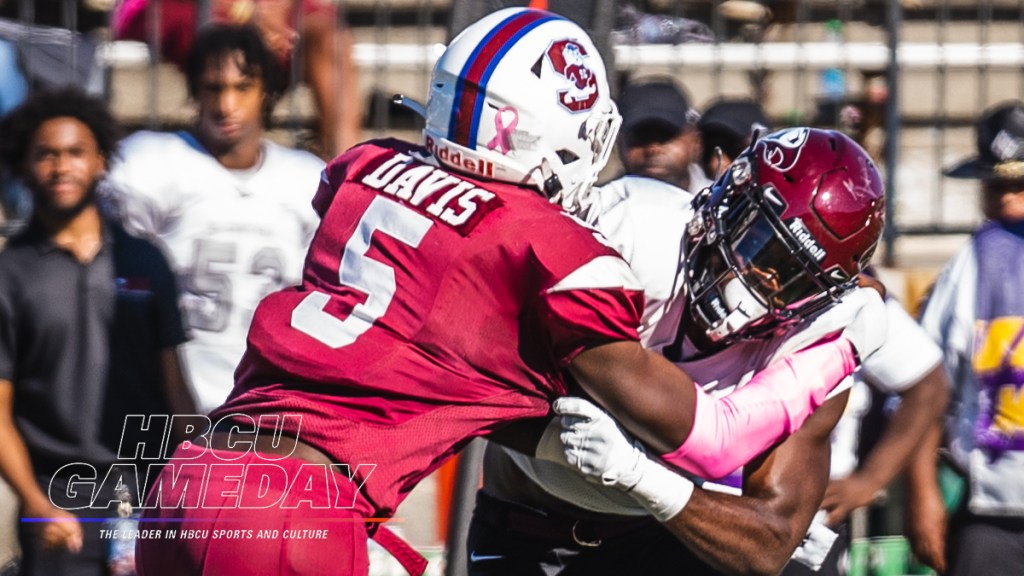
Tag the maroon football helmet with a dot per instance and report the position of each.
(783, 233)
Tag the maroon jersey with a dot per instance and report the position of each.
(434, 308)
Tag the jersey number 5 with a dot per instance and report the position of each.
(374, 278)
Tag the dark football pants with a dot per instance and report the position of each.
(509, 539)
(985, 546)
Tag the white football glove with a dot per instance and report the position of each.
(594, 445)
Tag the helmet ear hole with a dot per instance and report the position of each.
(567, 156)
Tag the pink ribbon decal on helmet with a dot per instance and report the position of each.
(503, 138)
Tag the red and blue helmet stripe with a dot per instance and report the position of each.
(476, 72)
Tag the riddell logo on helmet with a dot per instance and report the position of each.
(454, 158)
(804, 237)
(569, 59)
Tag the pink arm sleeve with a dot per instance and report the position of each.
(729, 431)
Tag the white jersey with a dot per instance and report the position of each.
(233, 236)
(640, 218)
(643, 220)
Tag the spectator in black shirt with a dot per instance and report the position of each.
(89, 327)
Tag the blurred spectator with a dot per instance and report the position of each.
(13, 86)
(86, 16)
(326, 50)
(976, 313)
(37, 57)
(221, 200)
(659, 137)
(635, 27)
(728, 126)
(907, 365)
(89, 326)
(52, 50)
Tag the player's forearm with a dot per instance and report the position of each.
(920, 407)
(925, 515)
(922, 475)
(16, 467)
(739, 535)
(646, 393)
(758, 532)
(731, 533)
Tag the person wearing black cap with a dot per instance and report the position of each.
(659, 137)
(726, 128)
(976, 315)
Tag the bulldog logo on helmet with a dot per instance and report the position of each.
(569, 59)
(781, 150)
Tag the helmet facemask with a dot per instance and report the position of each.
(570, 184)
(750, 275)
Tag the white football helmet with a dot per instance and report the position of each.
(522, 96)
